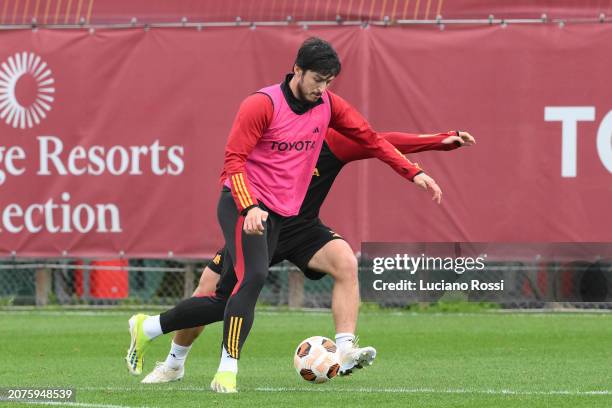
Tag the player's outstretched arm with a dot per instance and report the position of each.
(348, 150)
(346, 120)
(410, 143)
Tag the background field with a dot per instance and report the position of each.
(425, 360)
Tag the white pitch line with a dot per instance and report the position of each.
(433, 391)
(100, 313)
(363, 390)
(76, 404)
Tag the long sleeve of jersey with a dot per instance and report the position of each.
(348, 150)
(346, 120)
(253, 117)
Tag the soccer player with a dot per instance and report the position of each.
(269, 159)
(308, 243)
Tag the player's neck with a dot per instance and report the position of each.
(291, 88)
(295, 89)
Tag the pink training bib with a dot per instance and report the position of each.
(280, 166)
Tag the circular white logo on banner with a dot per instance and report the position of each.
(26, 90)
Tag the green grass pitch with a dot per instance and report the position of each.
(425, 360)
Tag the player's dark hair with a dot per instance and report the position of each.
(319, 56)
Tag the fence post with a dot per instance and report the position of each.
(188, 286)
(43, 286)
(296, 288)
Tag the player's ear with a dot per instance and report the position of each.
(297, 71)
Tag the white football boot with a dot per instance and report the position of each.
(164, 374)
(356, 358)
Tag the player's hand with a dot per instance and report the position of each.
(464, 139)
(468, 140)
(254, 221)
(427, 183)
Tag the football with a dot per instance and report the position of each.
(316, 359)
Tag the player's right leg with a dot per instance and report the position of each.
(173, 368)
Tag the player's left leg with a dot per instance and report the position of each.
(206, 286)
(173, 368)
(189, 313)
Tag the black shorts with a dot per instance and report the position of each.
(298, 242)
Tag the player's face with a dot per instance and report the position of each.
(311, 85)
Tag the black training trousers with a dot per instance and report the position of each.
(251, 255)
(240, 284)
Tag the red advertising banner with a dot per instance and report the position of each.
(149, 11)
(112, 140)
